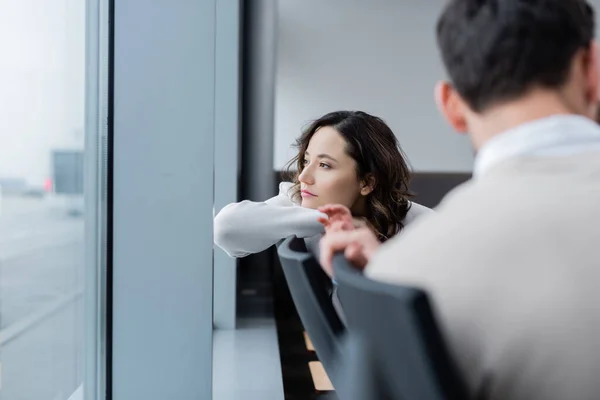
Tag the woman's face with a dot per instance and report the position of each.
(329, 174)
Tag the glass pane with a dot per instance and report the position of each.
(42, 230)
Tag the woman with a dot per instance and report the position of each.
(347, 158)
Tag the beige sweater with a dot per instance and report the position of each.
(512, 262)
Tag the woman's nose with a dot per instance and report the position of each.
(306, 176)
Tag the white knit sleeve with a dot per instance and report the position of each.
(249, 227)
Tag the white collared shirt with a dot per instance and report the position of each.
(557, 135)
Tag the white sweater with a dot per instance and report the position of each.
(249, 227)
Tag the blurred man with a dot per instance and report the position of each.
(512, 258)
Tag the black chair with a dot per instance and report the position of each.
(395, 349)
(310, 288)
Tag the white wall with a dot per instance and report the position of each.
(377, 56)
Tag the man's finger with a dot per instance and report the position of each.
(355, 254)
(334, 242)
(331, 243)
(340, 226)
(352, 251)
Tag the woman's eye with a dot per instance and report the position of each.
(304, 162)
(323, 165)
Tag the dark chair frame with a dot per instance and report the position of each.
(396, 341)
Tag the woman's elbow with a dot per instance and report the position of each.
(223, 230)
(226, 234)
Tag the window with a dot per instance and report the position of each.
(50, 168)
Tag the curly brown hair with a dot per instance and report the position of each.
(378, 155)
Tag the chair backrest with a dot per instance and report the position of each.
(400, 340)
(310, 288)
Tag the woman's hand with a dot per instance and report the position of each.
(339, 219)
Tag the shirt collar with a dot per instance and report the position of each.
(555, 135)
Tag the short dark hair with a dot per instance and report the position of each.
(375, 148)
(497, 50)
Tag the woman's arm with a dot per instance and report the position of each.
(249, 227)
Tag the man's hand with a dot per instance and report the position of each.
(339, 218)
(358, 246)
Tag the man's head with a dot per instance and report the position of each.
(511, 61)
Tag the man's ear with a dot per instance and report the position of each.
(368, 185)
(593, 77)
(451, 106)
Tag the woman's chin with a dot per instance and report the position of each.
(308, 202)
